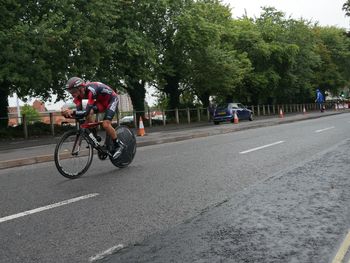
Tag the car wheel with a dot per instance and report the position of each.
(251, 117)
(216, 122)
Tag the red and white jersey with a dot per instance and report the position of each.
(97, 94)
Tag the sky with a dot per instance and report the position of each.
(326, 12)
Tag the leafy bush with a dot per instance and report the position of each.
(31, 114)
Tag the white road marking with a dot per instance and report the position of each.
(325, 129)
(43, 208)
(106, 253)
(261, 147)
(342, 250)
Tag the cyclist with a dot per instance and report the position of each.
(101, 98)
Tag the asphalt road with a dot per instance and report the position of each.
(172, 190)
(298, 216)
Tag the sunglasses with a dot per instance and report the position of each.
(74, 90)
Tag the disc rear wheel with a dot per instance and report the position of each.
(129, 140)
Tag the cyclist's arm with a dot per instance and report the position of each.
(79, 104)
(89, 110)
(68, 113)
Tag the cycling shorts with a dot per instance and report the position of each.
(109, 109)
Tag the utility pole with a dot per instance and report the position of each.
(18, 110)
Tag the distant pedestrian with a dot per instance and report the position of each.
(319, 100)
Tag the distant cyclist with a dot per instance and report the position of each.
(101, 98)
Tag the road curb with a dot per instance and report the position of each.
(25, 161)
(48, 158)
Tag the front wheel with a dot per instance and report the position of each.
(73, 154)
(128, 138)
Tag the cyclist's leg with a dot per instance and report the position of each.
(90, 115)
(91, 118)
(117, 145)
(107, 125)
(109, 114)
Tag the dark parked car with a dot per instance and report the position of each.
(225, 113)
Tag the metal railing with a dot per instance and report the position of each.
(54, 121)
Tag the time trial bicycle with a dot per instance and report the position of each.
(75, 150)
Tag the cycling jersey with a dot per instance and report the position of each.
(101, 98)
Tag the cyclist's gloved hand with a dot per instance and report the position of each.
(67, 113)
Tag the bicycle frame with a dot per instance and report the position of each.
(85, 128)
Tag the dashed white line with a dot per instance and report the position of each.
(43, 208)
(106, 253)
(325, 129)
(261, 147)
(342, 250)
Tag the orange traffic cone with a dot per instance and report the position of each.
(281, 113)
(141, 130)
(235, 118)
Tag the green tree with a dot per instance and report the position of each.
(214, 68)
(45, 42)
(346, 8)
(134, 55)
(30, 113)
(307, 60)
(171, 55)
(245, 37)
(282, 58)
(9, 18)
(333, 48)
(179, 46)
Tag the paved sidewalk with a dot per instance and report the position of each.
(24, 152)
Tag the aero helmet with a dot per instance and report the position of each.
(74, 82)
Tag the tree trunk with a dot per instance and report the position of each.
(137, 94)
(4, 93)
(204, 99)
(172, 90)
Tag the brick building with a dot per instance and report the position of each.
(39, 106)
(125, 104)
